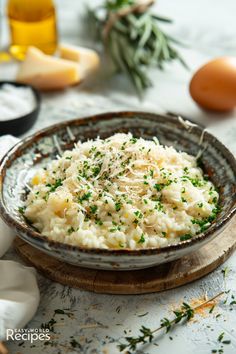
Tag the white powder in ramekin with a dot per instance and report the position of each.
(15, 102)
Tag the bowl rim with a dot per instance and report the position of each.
(30, 233)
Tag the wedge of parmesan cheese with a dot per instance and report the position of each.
(46, 72)
(87, 59)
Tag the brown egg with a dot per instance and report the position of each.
(213, 86)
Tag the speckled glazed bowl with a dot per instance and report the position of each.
(20, 163)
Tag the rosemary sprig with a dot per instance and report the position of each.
(133, 39)
(186, 312)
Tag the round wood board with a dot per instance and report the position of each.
(162, 277)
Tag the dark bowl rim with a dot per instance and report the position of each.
(34, 235)
(29, 115)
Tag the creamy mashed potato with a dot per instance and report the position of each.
(121, 192)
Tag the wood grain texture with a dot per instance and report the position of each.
(163, 277)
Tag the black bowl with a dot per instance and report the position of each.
(20, 125)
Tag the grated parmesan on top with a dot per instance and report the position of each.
(121, 192)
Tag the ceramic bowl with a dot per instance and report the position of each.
(20, 163)
(22, 124)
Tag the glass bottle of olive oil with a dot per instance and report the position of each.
(32, 23)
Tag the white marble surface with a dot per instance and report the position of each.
(98, 321)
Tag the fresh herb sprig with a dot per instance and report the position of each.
(132, 38)
(186, 312)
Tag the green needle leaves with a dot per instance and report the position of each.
(134, 41)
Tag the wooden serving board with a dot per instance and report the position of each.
(163, 277)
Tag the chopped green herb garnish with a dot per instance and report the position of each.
(133, 140)
(96, 170)
(70, 230)
(186, 170)
(138, 214)
(225, 271)
(221, 336)
(85, 196)
(99, 222)
(93, 209)
(22, 210)
(228, 341)
(142, 239)
(113, 230)
(54, 186)
(160, 186)
(118, 206)
(205, 223)
(185, 237)
(212, 309)
(196, 182)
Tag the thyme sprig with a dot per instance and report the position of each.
(186, 312)
(132, 38)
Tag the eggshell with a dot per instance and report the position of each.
(213, 86)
